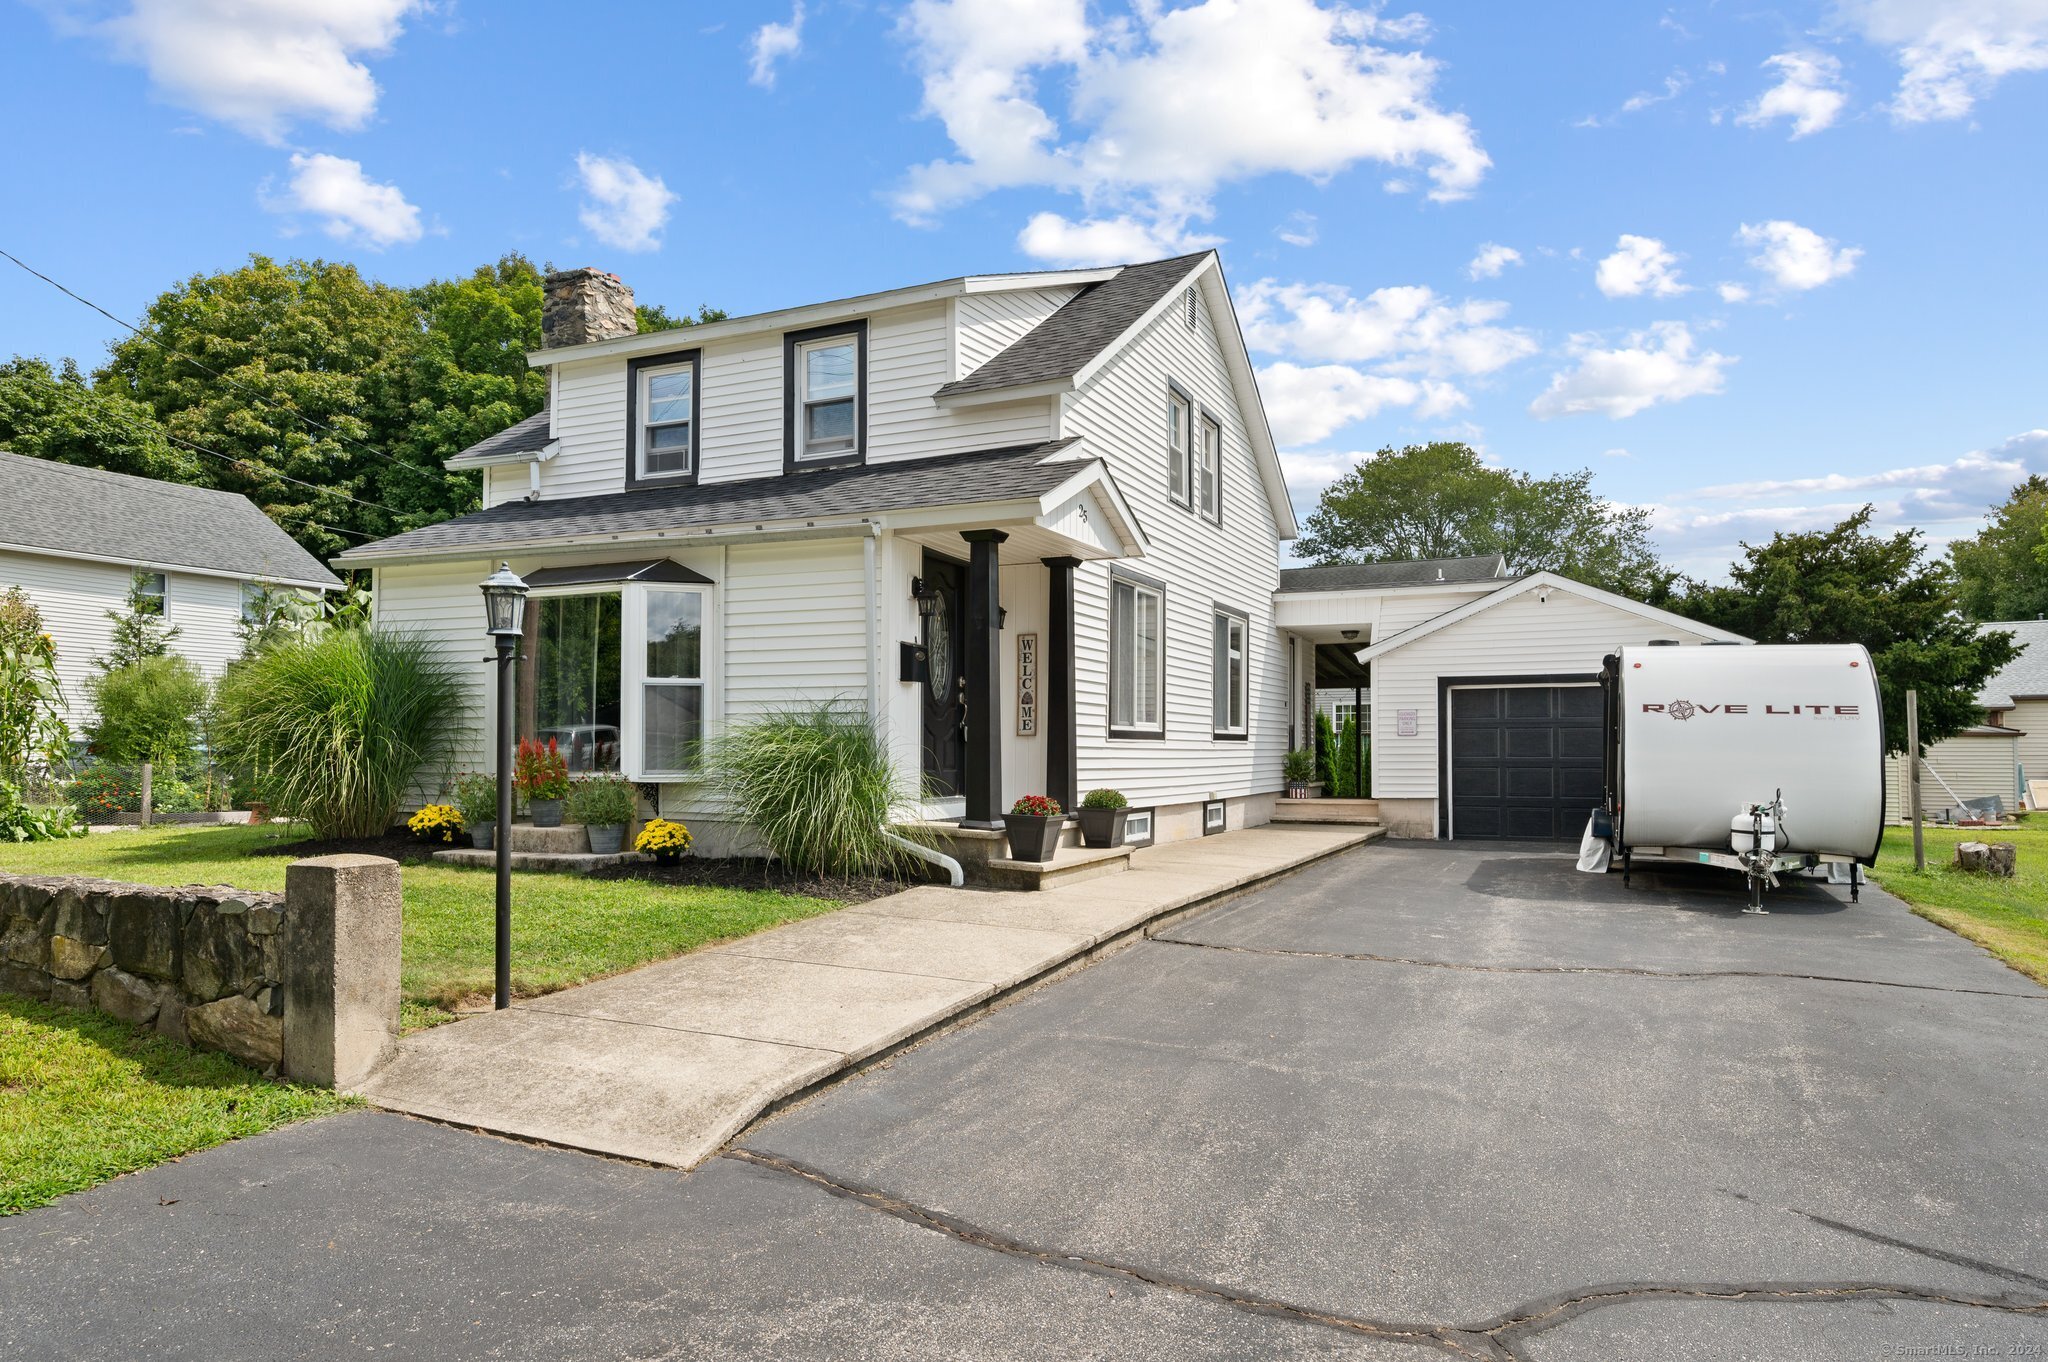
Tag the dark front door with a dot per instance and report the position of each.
(1525, 761)
(945, 689)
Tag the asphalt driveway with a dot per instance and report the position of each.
(1419, 1100)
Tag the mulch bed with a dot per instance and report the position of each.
(398, 845)
(753, 873)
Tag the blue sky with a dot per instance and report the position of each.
(1753, 265)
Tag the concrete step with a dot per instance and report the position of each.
(569, 837)
(577, 861)
(1068, 865)
(1352, 812)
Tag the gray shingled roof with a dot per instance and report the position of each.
(64, 509)
(523, 437)
(946, 480)
(2026, 676)
(1084, 326)
(1418, 572)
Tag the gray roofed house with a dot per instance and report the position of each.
(2026, 676)
(1415, 572)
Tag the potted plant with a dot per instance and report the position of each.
(1300, 770)
(663, 839)
(542, 775)
(475, 795)
(1034, 823)
(435, 823)
(604, 805)
(1102, 818)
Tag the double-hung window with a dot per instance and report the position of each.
(1209, 481)
(664, 395)
(1231, 674)
(149, 592)
(1180, 434)
(827, 381)
(1137, 660)
(671, 710)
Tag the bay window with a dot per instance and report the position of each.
(1137, 660)
(671, 679)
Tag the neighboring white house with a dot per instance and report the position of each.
(74, 539)
(1998, 756)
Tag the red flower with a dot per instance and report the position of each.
(1037, 806)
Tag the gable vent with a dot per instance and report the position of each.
(1189, 299)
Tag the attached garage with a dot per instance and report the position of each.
(1486, 716)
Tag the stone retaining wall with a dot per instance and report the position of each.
(303, 983)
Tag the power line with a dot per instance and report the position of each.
(215, 373)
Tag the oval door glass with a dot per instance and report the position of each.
(938, 646)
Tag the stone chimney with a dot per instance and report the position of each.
(585, 305)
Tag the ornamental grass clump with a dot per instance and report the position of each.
(814, 782)
(339, 728)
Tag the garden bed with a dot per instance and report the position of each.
(755, 872)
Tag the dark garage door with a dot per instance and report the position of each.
(1525, 761)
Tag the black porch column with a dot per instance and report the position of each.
(984, 680)
(1056, 685)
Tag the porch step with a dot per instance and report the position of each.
(577, 861)
(567, 838)
(1068, 866)
(1353, 812)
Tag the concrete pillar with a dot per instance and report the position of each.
(984, 644)
(1056, 686)
(342, 918)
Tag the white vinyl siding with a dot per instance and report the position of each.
(1120, 416)
(443, 602)
(989, 323)
(2031, 718)
(1973, 767)
(1567, 635)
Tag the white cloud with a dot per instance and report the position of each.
(1639, 265)
(1165, 105)
(1703, 527)
(1308, 474)
(1808, 92)
(260, 65)
(624, 206)
(772, 43)
(1674, 85)
(1408, 329)
(1299, 229)
(1796, 257)
(1310, 403)
(1107, 241)
(1733, 293)
(353, 207)
(1491, 260)
(1951, 53)
(1657, 365)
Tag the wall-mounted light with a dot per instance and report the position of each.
(926, 596)
(1350, 634)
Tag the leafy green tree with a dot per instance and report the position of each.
(2003, 570)
(1850, 585)
(148, 711)
(55, 414)
(655, 317)
(1440, 501)
(140, 630)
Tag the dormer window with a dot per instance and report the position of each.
(662, 399)
(826, 380)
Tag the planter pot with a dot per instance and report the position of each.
(607, 840)
(259, 812)
(480, 836)
(1103, 827)
(1033, 838)
(1304, 789)
(547, 813)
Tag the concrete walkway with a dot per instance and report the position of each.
(667, 1063)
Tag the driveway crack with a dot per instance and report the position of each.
(1496, 1339)
(1367, 957)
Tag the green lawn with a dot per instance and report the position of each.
(2007, 917)
(565, 929)
(84, 1098)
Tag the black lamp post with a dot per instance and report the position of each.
(505, 621)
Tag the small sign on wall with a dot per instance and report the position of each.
(1027, 685)
(1404, 723)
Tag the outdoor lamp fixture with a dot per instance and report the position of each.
(1350, 634)
(926, 596)
(505, 621)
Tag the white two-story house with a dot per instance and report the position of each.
(1028, 522)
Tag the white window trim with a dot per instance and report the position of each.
(804, 452)
(633, 678)
(1157, 727)
(633, 670)
(1219, 676)
(643, 405)
(1209, 460)
(1180, 461)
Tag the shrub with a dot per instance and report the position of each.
(663, 839)
(540, 772)
(815, 783)
(140, 630)
(21, 823)
(603, 802)
(475, 796)
(102, 789)
(1349, 776)
(1326, 749)
(337, 729)
(1300, 765)
(435, 823)
(1105, 799)
(1039, 806)
(149, 711)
